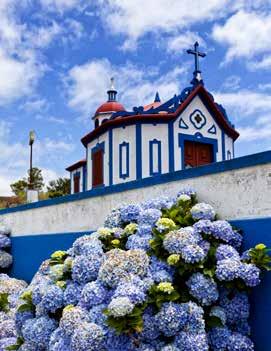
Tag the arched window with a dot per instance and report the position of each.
(96, 123)
(104, 120)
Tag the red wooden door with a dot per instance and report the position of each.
(97, 168)
(197, 154)
(76, 183)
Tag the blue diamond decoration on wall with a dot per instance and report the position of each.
(182, 124)
(212, 130)
(198, 119)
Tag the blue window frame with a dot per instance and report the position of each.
(124, 160)
(155, 157)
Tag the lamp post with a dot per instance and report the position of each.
(32, 194)
(31, 142)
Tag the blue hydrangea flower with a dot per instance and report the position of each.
(162, 202)
(250, 274)
(203, 226)
(86, 268)
(228, 269)
(222, 230)
(193, 253)
(130, 213)
(113, 219)
(72, 317)
(72, 293)
(117, 342)
(144, 230)
(150, 330)
(203, 289)
(202, 211)
(239, 342)
(7, 329)
(236, 308)
(59, 341)
(135, 293)
(170, 347)
(6, 342)
(87, 245)
(226, 251)
(138, 242)
(219, 338)
(93, 293)
(149, 216)
(52, 299)
(96, 314)
(160, 271)
(187, 191)
(88, 336)
(5, 259)
(187, 341)
(195, 318)
(38, 330)
(171, 318)
(176, 240)
(5, 241)
(120, 307)
(21, 318)
(242, 328)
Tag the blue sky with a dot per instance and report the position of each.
(57, 56)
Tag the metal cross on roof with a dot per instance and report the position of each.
(196, 54)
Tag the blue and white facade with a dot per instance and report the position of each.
(149, 141)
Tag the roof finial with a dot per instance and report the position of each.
(197, 73)
(112, 80)
(112, 92)
(157, 97)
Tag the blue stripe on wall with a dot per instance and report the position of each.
(259, 231)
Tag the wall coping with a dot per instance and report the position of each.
(218, 167)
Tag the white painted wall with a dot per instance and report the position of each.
(228, 146)
(196, 103)
(236, 194)
(150, 132)
(124, 134)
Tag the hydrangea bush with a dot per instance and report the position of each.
(10, 291)
(162, 275)
(5, 244)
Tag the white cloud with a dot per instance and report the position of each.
(245, 34)
(136, 18)
(63, 5)
(184, 41)
(232, 83)
(87, 84)
(248, 134)
(245, 102)
(264, 63)
(35, 104)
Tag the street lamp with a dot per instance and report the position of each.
(31, 142)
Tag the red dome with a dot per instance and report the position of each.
(110, 106)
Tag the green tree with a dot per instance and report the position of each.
(19, 188)
(37, 178)
(59, 187)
